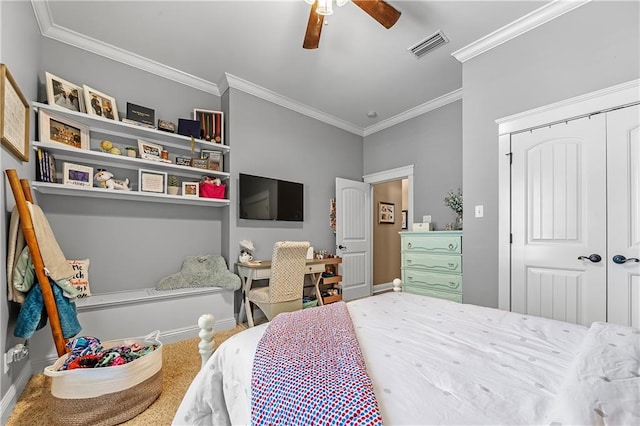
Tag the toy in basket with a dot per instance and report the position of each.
(106, 395)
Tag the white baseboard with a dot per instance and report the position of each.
(378, 288)
(10, 398)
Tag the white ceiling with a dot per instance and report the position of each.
(359, 67)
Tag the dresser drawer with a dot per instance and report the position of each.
(429, 244)
(432, 280)
(454, 297)
(435, 263)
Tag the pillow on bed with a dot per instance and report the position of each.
(80, 278)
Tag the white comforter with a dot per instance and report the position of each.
(431, 362)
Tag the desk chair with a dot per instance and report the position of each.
(284, 293)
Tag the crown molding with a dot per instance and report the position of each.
(622, 94)
(72, 38)
(283, 101)
(436, 103)
(518, 27)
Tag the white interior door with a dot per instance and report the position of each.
(353, 237)
(623, 182)
(559, 211)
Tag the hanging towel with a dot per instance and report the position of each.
(33, 314)
(52, 256)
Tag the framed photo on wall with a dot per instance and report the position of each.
(54, 128)
(211, 125)
(101, 104)
(386, 212)
(404, 219)
(64, 94)
(14, 116)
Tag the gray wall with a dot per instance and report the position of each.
(431, 142)
(130, 244)
(20, 51)
(269, 140)
(593, 47)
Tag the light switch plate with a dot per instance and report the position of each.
(426, 219)
(480, 211)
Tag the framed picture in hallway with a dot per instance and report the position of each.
(386, 212)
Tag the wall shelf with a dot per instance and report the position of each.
(81, 191)
(104, 126)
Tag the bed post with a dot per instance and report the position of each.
(206, 345)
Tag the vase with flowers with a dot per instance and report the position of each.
(453, 200)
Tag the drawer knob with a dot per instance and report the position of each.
(409, 245)
(452, 284)
(450, 246)
(451, 265)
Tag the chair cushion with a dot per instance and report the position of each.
(259, 295)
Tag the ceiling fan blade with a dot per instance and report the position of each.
(379, 10)
(314, 28)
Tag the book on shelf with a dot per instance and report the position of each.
(138, 123)
(45, 166)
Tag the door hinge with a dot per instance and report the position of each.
(510, 155)
(510, 238)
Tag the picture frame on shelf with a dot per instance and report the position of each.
(404, 219)
(183, 161)
(386, 212)
(152, 181)
(57, 129)
(64, 94)
(200, 163)
(215, 159)
(149, 151)
(100, 104)
(211, 124)
(78, 175)
(190, 189)
(14, 116)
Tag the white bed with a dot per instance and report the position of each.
(437, 362)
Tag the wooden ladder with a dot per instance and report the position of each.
(22, 194)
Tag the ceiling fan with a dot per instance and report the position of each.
(379, 10)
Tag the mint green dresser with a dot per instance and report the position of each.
(432, 264)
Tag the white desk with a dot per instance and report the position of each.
(261, 270)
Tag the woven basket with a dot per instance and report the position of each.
(108, 395)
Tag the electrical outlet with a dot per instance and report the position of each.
(15, 354)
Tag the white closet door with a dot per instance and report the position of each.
(558, 215)
(623, 183)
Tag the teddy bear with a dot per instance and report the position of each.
(107, 181)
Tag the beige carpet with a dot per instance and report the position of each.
(180, 364)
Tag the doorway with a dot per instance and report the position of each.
(393, 187)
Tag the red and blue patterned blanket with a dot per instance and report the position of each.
(308, 370)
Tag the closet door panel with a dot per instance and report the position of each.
(623, 191)
(558, 198)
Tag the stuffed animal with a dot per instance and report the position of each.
(107, 181)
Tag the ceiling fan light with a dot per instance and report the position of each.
(309, 1)
(325, 7)
(341, 3)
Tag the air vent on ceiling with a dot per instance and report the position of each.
(428, 44)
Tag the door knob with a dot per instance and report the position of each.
(620, 259)
(595, 258)
(341, 247)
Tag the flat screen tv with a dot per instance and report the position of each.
(263, 198)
